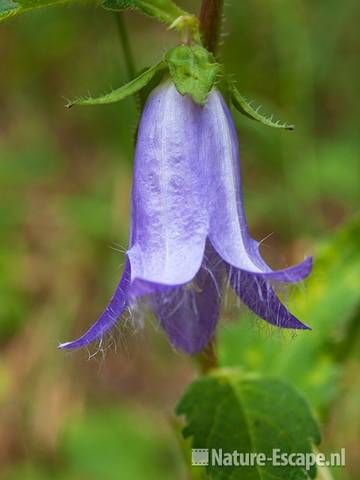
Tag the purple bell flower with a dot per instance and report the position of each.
(189, 235)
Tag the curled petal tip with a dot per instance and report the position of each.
(305, 268)
(80, 342)
(96, 332)
(71, 345)
(288, 321)
(294, 274)
(308, 263)
(297, 325)
(109, 317)
(305, 327)
(258, 295)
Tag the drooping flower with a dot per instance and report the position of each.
(189, 235)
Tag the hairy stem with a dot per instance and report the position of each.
(210, 23)
(207, 359)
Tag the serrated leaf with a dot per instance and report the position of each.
(164, 10)
(235, 412)
(245, 107)
(9, 8)
(193, 70)
(120, 93)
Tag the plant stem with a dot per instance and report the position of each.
(210, 23)
(207, 358)
(125, 44)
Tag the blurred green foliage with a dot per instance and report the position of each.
(136, 446)
(64, 205)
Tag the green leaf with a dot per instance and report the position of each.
(231, 411)
(244, 107)
(120, 93)
(164, 10)
(193, 70)
(328, 303)
(9, 8)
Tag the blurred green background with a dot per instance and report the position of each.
(65, 178)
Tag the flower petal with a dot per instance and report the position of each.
(228, 228)
(258, 295)
(169, 218)
(189, 314)
(291, 274)
(111, 314)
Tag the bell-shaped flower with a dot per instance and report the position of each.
(189, 237)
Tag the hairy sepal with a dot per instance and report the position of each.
(131, 88)
(245, 107)
(193, 70)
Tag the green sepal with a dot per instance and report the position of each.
(245, 107)
(130, 88)
(165, 11)
(193, 71)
